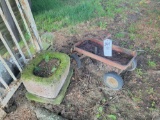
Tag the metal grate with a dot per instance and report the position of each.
(26, 16)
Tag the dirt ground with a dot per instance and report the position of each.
(87, 98)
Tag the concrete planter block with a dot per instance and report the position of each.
(54, 101)
(46, 87)
(44, 114)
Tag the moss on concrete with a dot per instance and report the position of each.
(55, 101)
(28, 75)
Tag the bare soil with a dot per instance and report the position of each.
(46, 68)
(87, 98)
(97, 49)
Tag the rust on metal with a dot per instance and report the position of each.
(105, 60)
(112, 82)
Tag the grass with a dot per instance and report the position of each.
(56, 14)
(132, 37)
(132, 28)
(139, 35)
(51, 15)
(139, 72)
(112, 117)
(152, 64)
(120, 35)
(112, 9)
(150, 90)
(102, 25)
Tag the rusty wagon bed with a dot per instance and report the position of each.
(122, 60)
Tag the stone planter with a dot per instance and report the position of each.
(53, 101)
(46, 87)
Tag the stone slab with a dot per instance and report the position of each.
(44, 114)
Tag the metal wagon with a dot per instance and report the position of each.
(112, 76)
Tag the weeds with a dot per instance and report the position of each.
(131, 46)
(100, 112)
(152, 106)
(132, 29)
(150, 91)
(112, 117)
(123, 43)
(152, 64)
(132, 36)
(102, 25)
(136, 99)
(139, 72)
(120, 35)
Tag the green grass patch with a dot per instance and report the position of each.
(120, 35)
(55, 14)
(102, 25)
(113, 7)
(51, 15)
(132, 36)
(132, 28)
(139, 72)
(152, 64)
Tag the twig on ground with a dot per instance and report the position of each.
(153, 71)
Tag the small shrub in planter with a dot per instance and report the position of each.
(45, 75)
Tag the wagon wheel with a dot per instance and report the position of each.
(113, 81)
(77, 59)
(133, 65)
